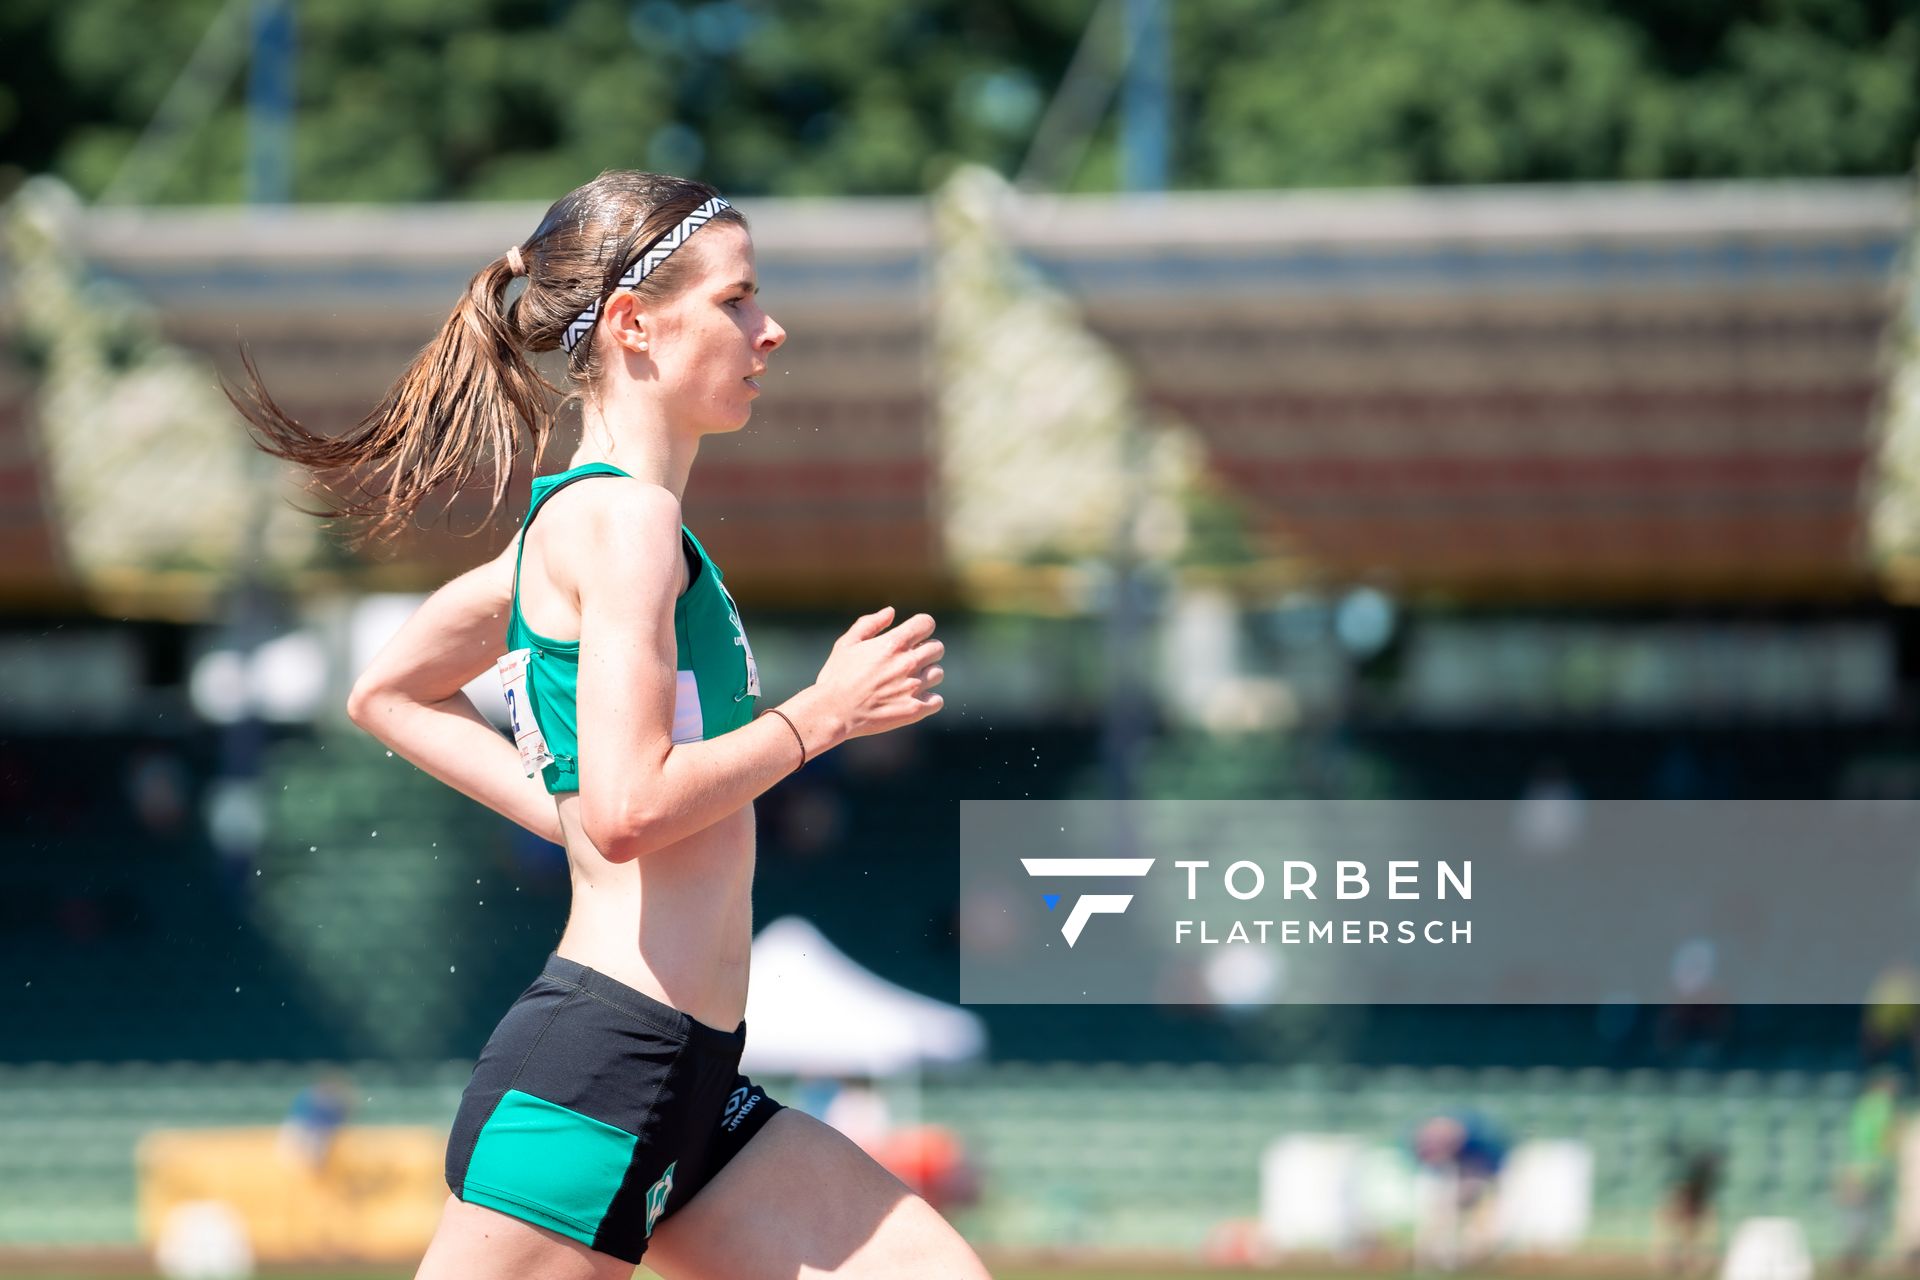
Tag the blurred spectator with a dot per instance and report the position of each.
(931, 1160)
(1686, 1230)
(928, 1158)
(1890, 1022)
(1460, 1156)
(157, 783)
(318, 1114)
(1696, 1029)
(1865, 1189)
(858, 1110)
(1551, 816)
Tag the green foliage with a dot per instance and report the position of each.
(431, 99)
(1378, 91)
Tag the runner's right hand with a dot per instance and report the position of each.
(881, 677)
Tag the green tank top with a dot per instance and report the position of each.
(715, 686)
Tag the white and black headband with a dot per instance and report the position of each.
(643, 266)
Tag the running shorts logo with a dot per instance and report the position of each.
(739, 1103)
(1088, 905)
(657, 1197)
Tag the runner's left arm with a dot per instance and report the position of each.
(411, 697)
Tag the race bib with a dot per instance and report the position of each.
(534, 755)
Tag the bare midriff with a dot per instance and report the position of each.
(675, 922)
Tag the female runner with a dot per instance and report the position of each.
(607, 1117)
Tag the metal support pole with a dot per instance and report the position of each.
(270, 104)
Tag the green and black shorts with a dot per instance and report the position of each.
(596, 1111)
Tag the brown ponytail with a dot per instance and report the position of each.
(453, 419)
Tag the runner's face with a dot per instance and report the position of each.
(712, 341)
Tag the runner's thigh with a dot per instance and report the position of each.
(476, 1243)
(802, 1201)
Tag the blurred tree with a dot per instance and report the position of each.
(1376, 91)
(429, 99)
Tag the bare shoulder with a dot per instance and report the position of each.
(616, 528)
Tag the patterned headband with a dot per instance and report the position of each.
(642, 267)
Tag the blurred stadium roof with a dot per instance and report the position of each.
(1551, 393)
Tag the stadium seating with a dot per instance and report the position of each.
(1149, 1155)
(1097, 1125)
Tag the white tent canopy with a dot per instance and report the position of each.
(812, 1011)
